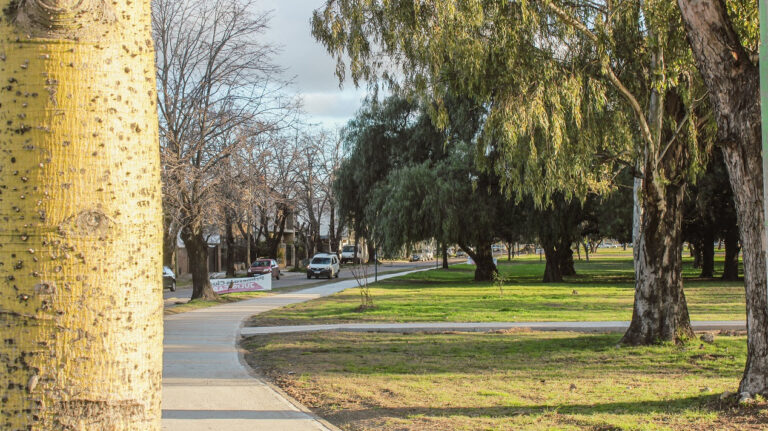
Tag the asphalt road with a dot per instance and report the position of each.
(292, 279)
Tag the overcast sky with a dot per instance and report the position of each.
(307, 61)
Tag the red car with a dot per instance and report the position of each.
(264, 266)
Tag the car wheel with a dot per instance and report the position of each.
(277, 277)
(309, 276)
(173, 286)
(336, 275)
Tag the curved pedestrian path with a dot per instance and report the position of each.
(614, 326)
(206, 384)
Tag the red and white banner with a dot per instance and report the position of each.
(250, 284)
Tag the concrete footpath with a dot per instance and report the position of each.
(206, 384)
(611, 326)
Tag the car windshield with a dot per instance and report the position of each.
(348, 248)
(259, 263)
(321, 261)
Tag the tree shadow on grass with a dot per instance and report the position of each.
(755, 417)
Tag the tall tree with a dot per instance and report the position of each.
(80, 254)
(724, 47)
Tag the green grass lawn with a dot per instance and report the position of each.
(508, 380)
(603, 289)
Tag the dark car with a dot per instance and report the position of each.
(265, 266)
(169, 279)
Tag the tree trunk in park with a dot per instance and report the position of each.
(586, 250)
(733, 82)
(707, 251)
(660, 311)
(485, 269)
(82, 235)
(509, 251)
(694, 247)
(230, 256)
(371, 252)
(445, 256)
(732, 249)
(552, 269)
(197, 250)
(565, 253)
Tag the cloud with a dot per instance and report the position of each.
(307, 62)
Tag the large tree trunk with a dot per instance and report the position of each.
(660, 311)
(732, 249)
(707, 249)
(445, 256)
(733, 84)
(197, 250)
(81, 245)
(485, 269)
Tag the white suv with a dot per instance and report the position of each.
(323, 264)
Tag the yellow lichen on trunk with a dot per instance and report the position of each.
(81, 226)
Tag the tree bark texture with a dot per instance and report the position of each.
(733, 84)
(81, 236)
(445, 256)
(660, 311)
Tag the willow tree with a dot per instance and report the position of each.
(547, 71)
(80, 254)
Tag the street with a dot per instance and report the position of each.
(292, 279)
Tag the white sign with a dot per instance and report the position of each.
(250, 284)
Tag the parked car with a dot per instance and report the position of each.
(323, 265)
(461, 253)
(169, 279)
(348, 253)
(415, 257)
(264, 266)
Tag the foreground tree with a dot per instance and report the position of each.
(80, 254)
(724, 60)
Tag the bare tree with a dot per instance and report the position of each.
(216, 91)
